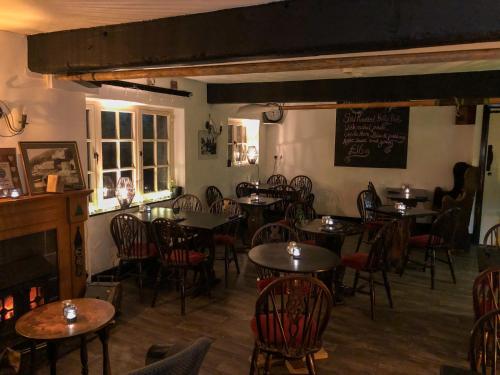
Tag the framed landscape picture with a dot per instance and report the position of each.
(51, 158)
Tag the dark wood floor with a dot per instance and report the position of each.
(425, 330)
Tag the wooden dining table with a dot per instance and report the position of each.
(255, 211)
(410, 199)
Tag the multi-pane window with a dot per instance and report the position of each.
(128, 142)
(154, 152)
(242, 133)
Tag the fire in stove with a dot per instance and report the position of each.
(36, 297)
(6, 308)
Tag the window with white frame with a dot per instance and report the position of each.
(242, 133)
(127, 141)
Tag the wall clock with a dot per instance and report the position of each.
(273, 116)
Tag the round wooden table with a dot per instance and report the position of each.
(47, 323)
(274, 256)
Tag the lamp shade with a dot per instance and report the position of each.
(252, 154)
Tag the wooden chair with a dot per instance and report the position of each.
(187, 203)
(372, 222)
(269, 233)
(287, 194)
(176, 259)
(227, 237)
(291, 315)
(244, 189)
(377, 199)
(303, 184)
(133, 245)
(309, 199)
(492, 236)
(212, 194)
(484, 344)
(373, 262)
(277, 179)
(297, 212)
(440, 239)
(486, 292)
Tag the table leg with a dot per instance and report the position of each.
(255, 220)
(103, 336)
(84, 355)
(52, 354)
(32, 356)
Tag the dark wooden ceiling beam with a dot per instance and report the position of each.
(396, 88)
(276, 30)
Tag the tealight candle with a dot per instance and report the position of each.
(324, 219)
(296, 252)
(69, 311)
(400, 206)
(407, 190)
(14, 193)
(290, 247)
(329, 221)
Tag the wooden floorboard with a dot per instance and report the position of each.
(425, 330)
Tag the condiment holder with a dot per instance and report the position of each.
(293, 249)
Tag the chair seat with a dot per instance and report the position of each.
(283, 222)
(147, 250)
(293, 329)
(356, 261)
(421, 241)
(262, 283)
(224, 239)
(309, 242)
(178, 257)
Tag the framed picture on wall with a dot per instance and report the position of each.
(52, 158)
(207, 145)
(9, 172)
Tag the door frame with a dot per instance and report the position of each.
(483, 154)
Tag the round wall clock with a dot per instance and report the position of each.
(273, 116)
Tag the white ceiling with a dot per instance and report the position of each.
(37, 16)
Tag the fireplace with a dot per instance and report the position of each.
(28, 277)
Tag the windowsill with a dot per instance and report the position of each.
(102, 211)
(242, 165)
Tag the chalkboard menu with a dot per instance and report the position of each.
(372, 137)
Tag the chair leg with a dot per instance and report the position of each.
(157, 286)
(450, 264)
(118, 272)
(226, 265)
(205, 268)
(183, 292)
(372, 295)
(355, 283)
(360, 239)
(235, 257)
(405, 263)
(253, 361)
(433, 267)
(387, 288)
(139, 267)
(311, 366)
(267, 367)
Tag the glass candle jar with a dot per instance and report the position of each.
(69, 311)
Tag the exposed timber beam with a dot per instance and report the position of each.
(396, 88)
(291, 65)
(277, 30)
(149, 88)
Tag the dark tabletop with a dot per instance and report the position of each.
(198, 220)
(263, 201)
(274, 256)
(487, 256)
(339, 228)
(47, 321)
(409, 212)
(397, 194)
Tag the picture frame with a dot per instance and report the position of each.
(41, 159)
(10, 178)
(207, 145)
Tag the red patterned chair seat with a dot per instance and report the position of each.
(271, 331)
(178, 257)
(224, 239)
(356, 261)
(262, 283)
(419, 242)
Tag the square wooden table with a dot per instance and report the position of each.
(255, 211)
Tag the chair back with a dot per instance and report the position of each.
(366, 200)
(371, 187)
(172, 242)
(492, 236)
(130, 237)
(291, 315)
(187, 203)
(299, 211)
(277, 179)
(484, 344)
(302, 184)
(380, 247)
(274, 232)
(244, 189)
(230, 208)
(286, 193)
(444, 229)
(185, 362)
(212, 194)
(486, 292)
(309, 199)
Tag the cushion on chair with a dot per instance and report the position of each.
(294, 331)
(262, 283)
(195, 257)
(224, 239)
(356, 261)
(148, 250)
(309, 242)
(420, 242)
(283, 222)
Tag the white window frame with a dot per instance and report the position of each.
(96, 170)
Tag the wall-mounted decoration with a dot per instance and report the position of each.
(374, 137)
(9, 172)
(207, 145)
(56, 158)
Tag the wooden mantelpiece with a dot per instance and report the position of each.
(64, 212)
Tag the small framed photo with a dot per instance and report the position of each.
(42, 159)
(207, 145)
(9, 173)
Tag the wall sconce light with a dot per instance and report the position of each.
(7, 116)
(212, 128)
